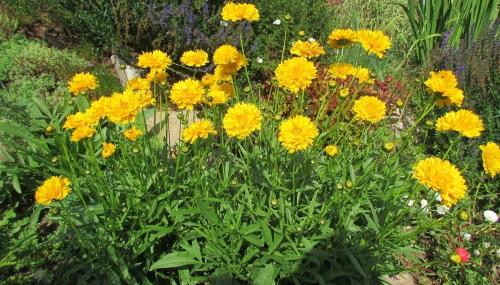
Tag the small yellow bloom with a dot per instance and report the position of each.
(195, 58)
(236, 12)
(454, 96)
(297, 133)
(216, 97)
(139, 84)
(302, 33)
(187, 93)
(295, 74)
(107, 150)
(491, 158)
(463, 121)
(198, 130)
(132, 134)
(369, 108)
(241, 120)
(442, 176)
(307, 49)
(82, 82)
(332, 150)
(374, 42)
(389, 146)
(81, 133)
(341, 70)
(344, 92)
(156, 76)
(54, 188)
(154, 60)
(342, 38)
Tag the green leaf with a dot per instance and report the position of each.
(264, 276)
(255, 240)
(173, 260)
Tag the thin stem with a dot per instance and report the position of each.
(245, 66)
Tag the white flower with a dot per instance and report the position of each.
(490, 216)
(423, 203)
(486, 244)
(477, 252)
(224, 23)
(442, 210)
(277, 22)
(410, 203)
(438, 197)
(259, 60)
(311, 40)
(467, 236)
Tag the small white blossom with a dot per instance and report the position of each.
(476, 252)
(410, 203)
(259, 60)
(277, 22)
(224, 23)
(311, 40)
(486, 244)
(498, 252)
(490, 216)
(423, 203)
(467, 236)
(442, 210)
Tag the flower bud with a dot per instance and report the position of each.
(389, 146)
(455, 258)
(348, 184)
(274, 202)
(463, 216)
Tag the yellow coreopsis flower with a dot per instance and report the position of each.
(199, 130)
(453, 96)
(465, 122)
(441, 81)
(362, 74)
(76, 120)
(295, 74)
(332, 150)
(139, 84)
(491, 158)
(307, 49)
(374, 42)
(241, 120)
(187, 93)
(81, 133)
(228, 60)
(195, 58)
(123, 107)
(442, 176)
(107, 150)
(342, 38)
(132, 133)
(297, 133)
(81, 82)
(98, 110)
(341, 70)
(369, 108)
(216, 97)
(154, 60)
(54, 188)
(156, 76)
(236, 12)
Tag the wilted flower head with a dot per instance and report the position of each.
(297, 133)
(491, 158)
(442, 176)
(54, 188)
(465, 122)
(295, 74)
(81, 82)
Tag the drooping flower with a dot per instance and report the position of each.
(81, 82)
(332, 150)
(342, 38)
(295, 74)
(195, 58)
(374, 42)
(107, 150)
(81, 133)
(155, 60)
(453, 96)
(369, 108)
(297, 133)
(156, 76)
(307, 49)
(54, 188)
(228, 60)
(132, 133)
(241, 120)
(187, 93)
(199, 130)
(236, 12)
(139, 84)
(491, 158)
(463, 121)
(443, 177)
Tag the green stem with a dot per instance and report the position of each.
(245, 66)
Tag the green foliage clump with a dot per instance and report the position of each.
(8, 26)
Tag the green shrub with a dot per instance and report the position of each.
(8, 27)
